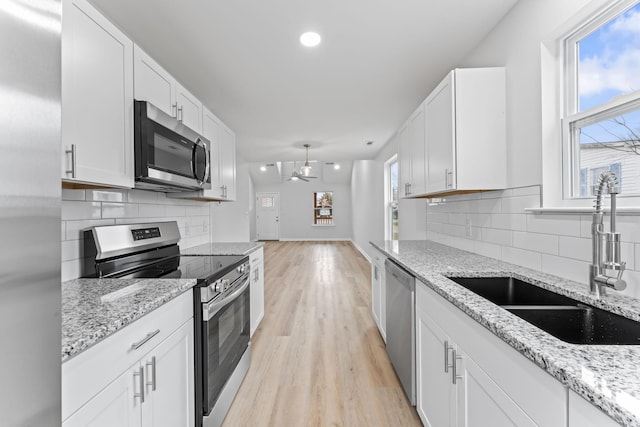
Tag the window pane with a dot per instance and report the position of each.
(610, 144)
(323, 207)
(393, 203)
(609, 60)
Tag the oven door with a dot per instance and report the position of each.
(167, 152)
(225, 338)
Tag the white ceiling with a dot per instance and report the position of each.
(377, 61)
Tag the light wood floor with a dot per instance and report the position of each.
(317, 357)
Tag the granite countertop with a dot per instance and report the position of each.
(605, 375)
(93, 309)
(224, 248)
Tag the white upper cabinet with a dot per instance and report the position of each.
(228, 163)
(154, 84)
(223, 162)
(412, 155)
(189, 108)
(97, 99)
(466, 132)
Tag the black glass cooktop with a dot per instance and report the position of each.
(165, 263)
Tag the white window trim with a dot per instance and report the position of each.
(556, 155)
(387, 196)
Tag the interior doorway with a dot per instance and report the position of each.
(268, 216)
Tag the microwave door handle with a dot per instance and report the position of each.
(202, 144)
(210, 309)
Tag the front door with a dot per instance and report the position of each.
(268, 216)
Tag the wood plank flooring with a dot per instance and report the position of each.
(317, 357)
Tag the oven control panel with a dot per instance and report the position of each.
(145, 233)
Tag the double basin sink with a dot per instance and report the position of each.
(567, 319)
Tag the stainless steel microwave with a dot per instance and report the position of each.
(169, 156)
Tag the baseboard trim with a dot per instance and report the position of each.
(362, 251)
(337, 239)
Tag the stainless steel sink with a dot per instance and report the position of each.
(565, 318)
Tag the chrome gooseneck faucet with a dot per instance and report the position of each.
(605, 246)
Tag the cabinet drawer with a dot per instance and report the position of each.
(538, 394)
(86, 374)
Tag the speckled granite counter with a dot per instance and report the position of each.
(93, 309)
(607, 376)
(225, 248)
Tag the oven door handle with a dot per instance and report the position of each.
(210, 309)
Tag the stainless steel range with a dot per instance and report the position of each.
(221, 302)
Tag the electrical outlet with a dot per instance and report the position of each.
(467, 227)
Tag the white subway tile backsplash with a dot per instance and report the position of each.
(543, 243)
(82, 209)
(487, 206)
(106, 196)
(562, 225)
(496, 236)
(565, 267)
(575, 248)
(520, 203)
(71, 249)
(72, 210)
(149, 210)
(120, 210)
(509, 221)
(70, 194)
(141, 196)
(558, 244)
(522, 257)
(488, 249)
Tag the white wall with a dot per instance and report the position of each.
(296, 210)
(367, 198)
(231, 221)
(82, 209)
(515, 43)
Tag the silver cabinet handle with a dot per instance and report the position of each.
(72, 171)
(454, 369)
(137, 345)
(174, 110)
(140, 374)
(447, 348)
(152, 365)
(180, 114)
(447, 174)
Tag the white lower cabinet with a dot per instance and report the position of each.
(256, 262)
(584, 414)
(141, 376)
(378, 293)
(466, 376)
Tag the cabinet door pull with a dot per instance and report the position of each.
(448, 182)
(174, 110)
(454, 369)
(152, 365)
(138, 344)
(446, 356)
(140, 374)
(180, 115)
(72, 171)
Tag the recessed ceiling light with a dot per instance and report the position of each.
(263, 168)
(310, 39)
(336, 166)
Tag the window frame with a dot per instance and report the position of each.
(315, 208)
(388, 197)
(559, 60)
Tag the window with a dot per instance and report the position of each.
(601, 120)
(391, 199)
(323, 208)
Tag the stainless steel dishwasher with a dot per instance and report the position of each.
(401, 315)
